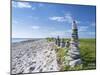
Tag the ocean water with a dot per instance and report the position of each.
(19, 39)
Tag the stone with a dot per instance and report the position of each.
(58, 41)
(63, 43)
(73, 55)
(75, 62)
(42, 57)
(67, 44)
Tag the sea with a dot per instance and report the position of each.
(19, 39)
(14, 40)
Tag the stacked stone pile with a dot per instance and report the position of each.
(73, 57)
(60, 42)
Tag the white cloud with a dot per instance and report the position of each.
(57, 33)
(21, 5)
(58, 18)
(41, 5)
(91, 33)
(33, 8)
(82, 28)
(78, 22)
(61, 33)
(14, 22)
(93, 24)
(69, 31)
(66, 18)
(35, 27)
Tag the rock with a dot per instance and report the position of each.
(67, 44)
(73, 55)
(75, 62)
(33, 56)
(31, 68)
(58, 41)
(63, 44)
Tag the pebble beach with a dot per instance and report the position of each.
(33, 56)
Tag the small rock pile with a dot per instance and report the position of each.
(61, 43)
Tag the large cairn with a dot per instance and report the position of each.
(73, 57)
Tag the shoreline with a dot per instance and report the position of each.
(33, 56)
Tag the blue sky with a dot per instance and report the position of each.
(40, 20)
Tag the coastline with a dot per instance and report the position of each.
(33, 56)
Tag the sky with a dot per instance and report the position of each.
(41, 20)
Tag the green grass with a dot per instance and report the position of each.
(50, 39)
(87, 51)
(61, 52)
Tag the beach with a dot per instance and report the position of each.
(33, 56)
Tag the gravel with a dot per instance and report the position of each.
(33, 56)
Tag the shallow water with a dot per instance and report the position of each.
(19, 39)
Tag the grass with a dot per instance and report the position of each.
(60, 57)
(87, 51)
(50, 39)
(88, 55)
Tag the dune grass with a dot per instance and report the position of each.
(88, 55)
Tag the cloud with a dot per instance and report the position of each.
(82, 28)
(14, 22)
(58, 18)
(58, 33)
(66, 18)
(78, 22)
(33, 8)
(41, 5)
(21, 5)
(61, 33)
(93, 24)
(35, 27)
(91, 33)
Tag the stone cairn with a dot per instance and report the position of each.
(61, 43)
(73, 57)
(58, 41)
